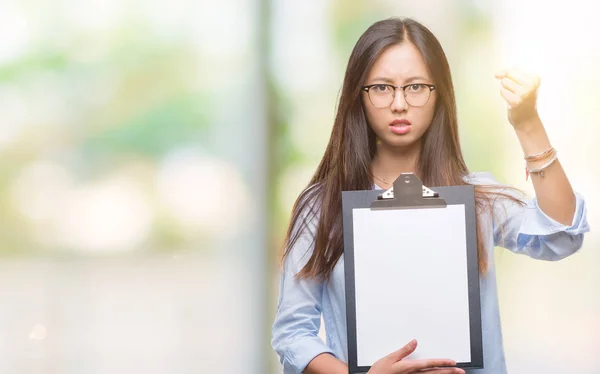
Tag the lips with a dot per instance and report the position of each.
(400, 126)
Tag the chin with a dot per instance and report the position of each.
(401, 141)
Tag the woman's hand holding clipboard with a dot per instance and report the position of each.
(396, 363)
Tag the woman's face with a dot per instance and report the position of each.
(399, 124)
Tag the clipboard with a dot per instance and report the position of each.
(411, 271)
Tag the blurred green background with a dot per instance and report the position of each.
(150, 153)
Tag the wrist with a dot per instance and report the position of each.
(533, 137)
(529, 125)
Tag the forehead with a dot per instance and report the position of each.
(398, 63)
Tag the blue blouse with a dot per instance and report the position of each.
(523, 229)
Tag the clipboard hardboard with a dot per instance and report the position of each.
(411, 271)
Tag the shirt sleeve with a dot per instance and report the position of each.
(298, 319)
(524, 228)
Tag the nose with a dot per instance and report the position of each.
(399, 104)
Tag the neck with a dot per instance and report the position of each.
(390, 162)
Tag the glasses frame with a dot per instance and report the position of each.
(403, 88)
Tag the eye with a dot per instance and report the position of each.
(416, 87)
(381, 88)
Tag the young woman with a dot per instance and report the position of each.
(396, 114)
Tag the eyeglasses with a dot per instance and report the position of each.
(382, 95)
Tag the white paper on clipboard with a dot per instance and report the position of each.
(411, 282)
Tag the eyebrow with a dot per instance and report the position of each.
(416, 78)
(391, 81)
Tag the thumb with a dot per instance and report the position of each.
(404, 351)
(500, 74)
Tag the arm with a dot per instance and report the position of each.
(326, 364)
(552, 225)
(521, 226)
(553, 191)
(393, 363)
(298, 318)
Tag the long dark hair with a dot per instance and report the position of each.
(346, 164)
